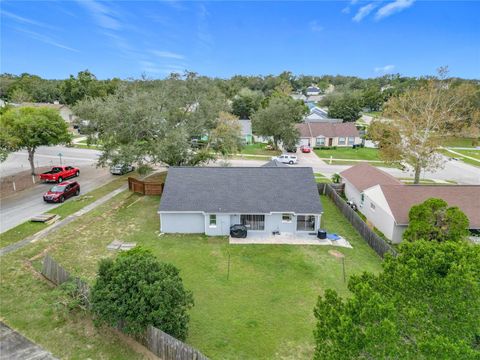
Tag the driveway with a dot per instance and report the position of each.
(22, 205)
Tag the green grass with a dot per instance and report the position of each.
(69, 207)
(472, 153)
(263, 311)
(349, 153)
(259, 149)
(320, 178)
(374, 113)
(252, 157)
(457, 141)
(373, 163)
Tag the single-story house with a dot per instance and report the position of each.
(329, 134)
(312, 90)
(246, 129)
(265, 199)
(65, 112)
(386, 202)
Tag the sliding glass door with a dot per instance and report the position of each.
(253, 222)
(305, 223)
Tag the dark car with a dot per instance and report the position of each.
(62, 191)
(238, 231)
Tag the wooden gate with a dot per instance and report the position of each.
(145, 187)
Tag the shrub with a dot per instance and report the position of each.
(136, 290)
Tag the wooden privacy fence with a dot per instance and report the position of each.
(378, 244)
(167, 347)
(158, 342)
(145, 187)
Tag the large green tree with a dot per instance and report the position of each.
(347, 106)
(85, 85)
(150, 123)
(28, 128)
(434, 220)
(278, 120)
(246, 102)
(424, 305)
(136, 290)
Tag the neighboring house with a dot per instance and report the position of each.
(265, 199)
(318, 134)
(246, 128)
(298, 97)
(317, 114)
(312, 90)
(2, 103)
(315, 98)
(386, 202)
(64, 110)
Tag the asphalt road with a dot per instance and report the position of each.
(21, 206)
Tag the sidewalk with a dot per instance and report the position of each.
(59, 224)
(462, 155)
(15, 346)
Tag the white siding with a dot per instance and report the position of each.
(222, 227)
(379, 215)
(186, 223)
(352, 194)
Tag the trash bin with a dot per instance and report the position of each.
(321, 234)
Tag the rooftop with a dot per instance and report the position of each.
(327, 129)
(364, 176)
(254, 190)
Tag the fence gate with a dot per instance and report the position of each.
(145, 187)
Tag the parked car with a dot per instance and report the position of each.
(305, 149)
(59, 173)
(286, 158)
(60, 192)
(121, 169)
(291, 149)
(238, 231)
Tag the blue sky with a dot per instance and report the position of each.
(125, 39)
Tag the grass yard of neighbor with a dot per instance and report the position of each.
(349, 153)
(259, 149)
(454, 141)
(263, 311)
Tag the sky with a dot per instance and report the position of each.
(126, 39)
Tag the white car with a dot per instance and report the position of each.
(286, 158)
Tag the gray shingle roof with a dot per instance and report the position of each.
(241, 190)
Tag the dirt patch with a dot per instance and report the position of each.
(23, 180)
(136, 346)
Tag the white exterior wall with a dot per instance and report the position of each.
(381, 217)
(222, 227)
(352, 194)
(398, 233)
(313, 141)
(186, 223)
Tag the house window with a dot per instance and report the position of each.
(351, 140)
(213, 220)
(286, 218)
(362, 198)
(341, 141)
(320, 141)
(253, 222)
(372, 206)
(305, 222)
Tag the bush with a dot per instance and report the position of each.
(136, 290)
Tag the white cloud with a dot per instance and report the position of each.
(353, 2)
(167, 54)
(104, 16)
(315, 26)
(364, 11)
(384, 69)
(46, 39)
(24, 20)
(346, 10)
(392, 8)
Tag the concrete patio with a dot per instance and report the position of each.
(288, 239)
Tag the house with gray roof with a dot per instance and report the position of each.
(268, 199)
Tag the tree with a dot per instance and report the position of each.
(246, 102)
(372, 98)
(424, 305)
(226, 137)
(421, 116)
(154, 122)
(86, 85)
(278, 120)
(434, 220)
(136, 290)
(28, 128)
(347, 106)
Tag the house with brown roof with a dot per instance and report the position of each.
(386, 202)
(328, 134)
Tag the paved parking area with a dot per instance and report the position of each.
(14, 346)
(288, 239)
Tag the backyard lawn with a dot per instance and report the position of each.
(264, 310)
(454, 141)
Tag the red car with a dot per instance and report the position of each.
(59, 173)
(62, 191)
(305, 149)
